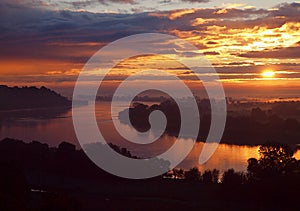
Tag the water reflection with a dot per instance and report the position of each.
(60, 128)
(45, 125)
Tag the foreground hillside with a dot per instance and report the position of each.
(37, 177)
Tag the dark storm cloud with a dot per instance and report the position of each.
(42, 34)
(287, 10)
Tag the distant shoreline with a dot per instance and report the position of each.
(34, 109)
(24, 98)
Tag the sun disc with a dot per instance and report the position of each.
(268, 74)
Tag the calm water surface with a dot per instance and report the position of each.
(54, 131)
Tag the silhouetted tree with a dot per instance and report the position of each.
(210, 176)
(275, 159)
(66, 148)
(230, 177)
(253, 169)
(168, 174)
(178, 173)
(193, 174)
(122, 151)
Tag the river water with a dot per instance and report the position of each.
(55, 130)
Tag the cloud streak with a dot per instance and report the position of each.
(84, 4)
(196, 1)
(281, 53)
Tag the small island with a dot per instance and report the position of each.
(246, 124)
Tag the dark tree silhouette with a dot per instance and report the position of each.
(210, 176)
(178, 173)
(193, 174)
(230, 177)
(275, 155)
(253, 169)
(275, 160)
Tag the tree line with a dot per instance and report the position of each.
(275, 161)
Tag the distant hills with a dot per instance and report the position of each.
(14, 98)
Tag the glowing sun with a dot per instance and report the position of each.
(268, 74)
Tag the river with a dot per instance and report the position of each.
(55, 130)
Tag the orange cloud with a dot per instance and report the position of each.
(179, 13)
(221, 11)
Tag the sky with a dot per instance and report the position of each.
(48, 42)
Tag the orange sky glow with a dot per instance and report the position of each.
(240, 43)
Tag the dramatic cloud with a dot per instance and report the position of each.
(240, 42)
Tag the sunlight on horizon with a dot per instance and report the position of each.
(268, 74)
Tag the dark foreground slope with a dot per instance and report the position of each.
(36, 177)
